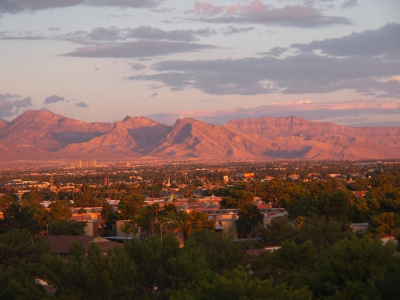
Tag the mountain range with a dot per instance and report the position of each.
(43, 135)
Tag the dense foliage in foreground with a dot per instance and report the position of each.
(320, 257)
(210, 266)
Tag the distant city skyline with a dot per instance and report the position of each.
(101, 60)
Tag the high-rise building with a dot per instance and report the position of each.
(91, 163)
(75, 164)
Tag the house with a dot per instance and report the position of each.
(199, 193)
(388, 238)
(60, 243)
(359, 228)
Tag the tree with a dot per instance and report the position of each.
(60, 210)
(5, 202)
(322, 232)
(236, 284)
(32, 196)
(19, 244)
(351, 269)
(218, 249)
(189, 222)
(106, 210)
(22, 217)
(236, 198)
(389, 285)
(66, 227)
(130, 206)
(387, 223)
(19, 283)
(85, 199)
(273, 190)
(279, 230)
(92, 274)
(249, 217)
(334, 205)
(151, 256)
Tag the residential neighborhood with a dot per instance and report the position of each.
(249, 212)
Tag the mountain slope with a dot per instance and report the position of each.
(322, 139)
(36, 132)
(44, 135)
(191, 138)
(134, 136)
(3, 124)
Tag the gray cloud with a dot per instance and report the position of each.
(7, 35)
(384, 41)
(124, 3)
(82, 104)
(184, 35)
(301, 73)
(154, 95)
(257, 12)
(234, 30)
(277, 51)
(137, 66)
(143, 33)
(104, 34)
(8, 96)
(18, 6)
(11, 104)
(305, 73)
(349, 3)
(53, 99)
(137, 49)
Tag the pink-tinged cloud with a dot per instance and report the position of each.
(258, 12)
(302, 108)
(396, 78)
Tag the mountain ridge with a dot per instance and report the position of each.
(41, 134)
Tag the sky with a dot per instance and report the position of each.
(101, 60)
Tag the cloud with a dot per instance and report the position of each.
(138, 66)
(104, 34)
(7, 35)
(277, 51)
(154, 95)
(8, 96)
(234, 30)
(383, 41)
(124, 3)
(82, 104)
(54, 28)
(18, 6)
(303, 108)
(257, 12)
(305, 73)
(142, 33)
(11, 104)
(53, 99)
(184, 35)
(301, 73)
(137, 49)
(349, 3)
